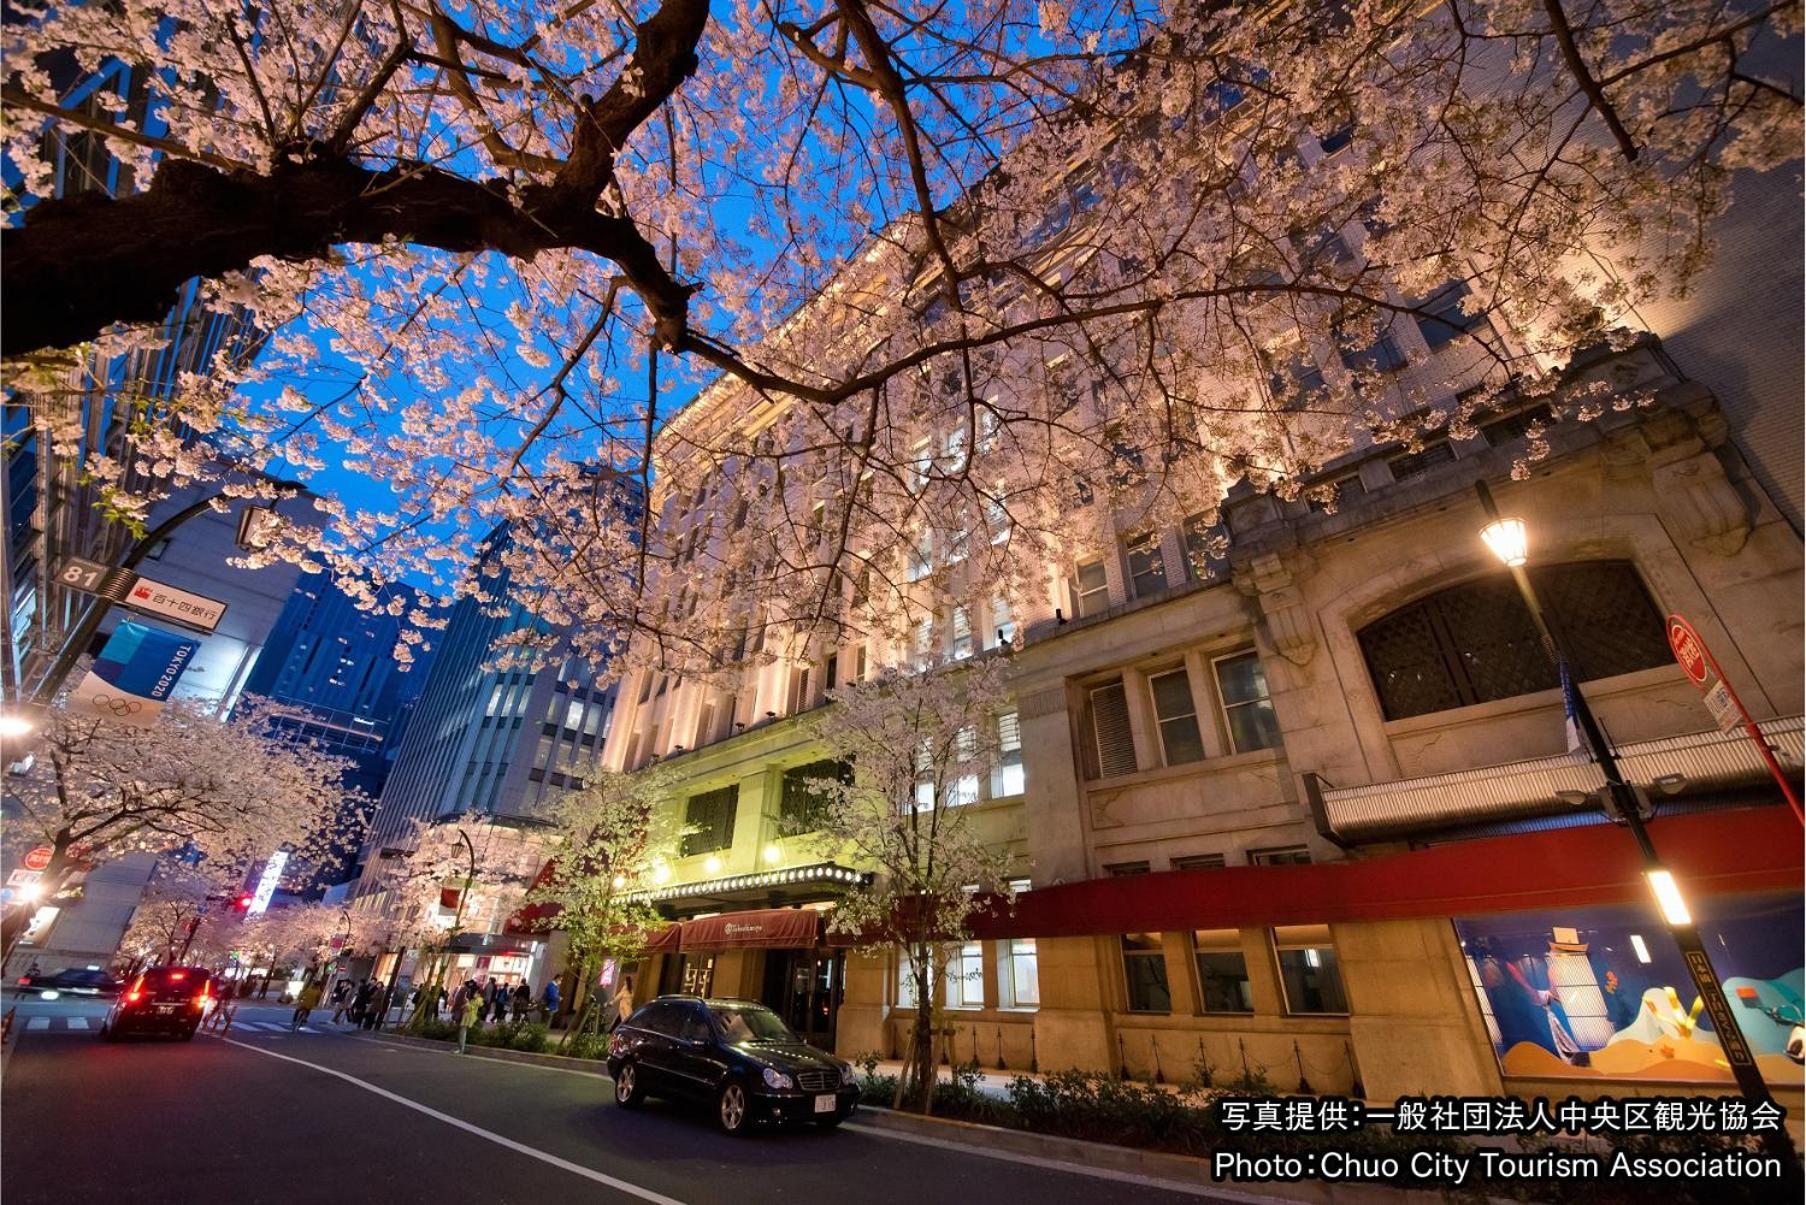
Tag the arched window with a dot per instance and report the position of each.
(1475, 642)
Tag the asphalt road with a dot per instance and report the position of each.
(268, 1117)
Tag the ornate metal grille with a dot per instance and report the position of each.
(1475, 642)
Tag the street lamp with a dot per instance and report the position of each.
(1509, 539)
(15, 724)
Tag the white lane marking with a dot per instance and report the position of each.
(632, 1190)
(38, 1023)
(1076, 1169)
(78, 1022)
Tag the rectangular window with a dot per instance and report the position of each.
(1113, 744)
(921, 558)
(709, 819)
(925, 652)
(1407, 465)
(1178, 717)
(1443, 320)
(1338, 493)
(1247, 710)
(966, 976)
(1285, 855)
(1519, 425)
(997, 518)
(1007, 779)
(1003, 622)
(1222, 971)
(1022, 973)
(965, 787)
(808, 793)
(1124, 870)
(1144, 972)
(1090, 588)
(1147, 568)
(962, 634)
(1308, 970)
(1199, 862)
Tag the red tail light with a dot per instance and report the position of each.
(178, 976)
(133, 995)
(202, 1001)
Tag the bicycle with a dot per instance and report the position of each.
(302, 1012)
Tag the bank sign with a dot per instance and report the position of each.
(134, 674)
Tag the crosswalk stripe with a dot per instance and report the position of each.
(78, 1022)
(38, 1023)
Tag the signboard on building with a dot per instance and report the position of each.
(133, 675)
(193, 610)
(266, 885)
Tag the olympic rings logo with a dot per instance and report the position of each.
(118, 706)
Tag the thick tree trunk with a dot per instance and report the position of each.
(88, 261)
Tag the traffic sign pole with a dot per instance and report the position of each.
(1695, 657)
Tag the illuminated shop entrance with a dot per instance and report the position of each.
(805, 988)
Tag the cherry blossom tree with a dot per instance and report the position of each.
(919, 744)
(172, 911)
(610, 837)
(225, 793)
(953, 265)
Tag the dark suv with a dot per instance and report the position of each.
(734, 1054)
(166, 1000)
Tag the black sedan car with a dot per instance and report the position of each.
(164, 1000)
(734, 1055)
(91, 981)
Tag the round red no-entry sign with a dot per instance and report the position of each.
(1689, 650)
(39, 858)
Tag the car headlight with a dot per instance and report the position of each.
(777, 1079)
(847, 1074)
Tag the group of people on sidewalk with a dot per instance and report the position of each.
(478, 1002)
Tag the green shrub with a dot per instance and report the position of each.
(528, 1037)
(586, 1046)
(436, 1030)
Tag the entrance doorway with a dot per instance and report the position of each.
(805, 987)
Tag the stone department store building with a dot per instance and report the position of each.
(1314, 815)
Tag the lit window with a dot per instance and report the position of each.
(1003, 622)
(966, 977)
(1090, 588)
(1177, 715)
(1147, 569)
(1308, 969)
(1008, 778)
(1247, 709)
(921, 558)
(965, 787)
(962, 634)
(1022, 973)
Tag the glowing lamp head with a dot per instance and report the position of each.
(1509, 540)
(712, 866)
(1668, 895)
(773, 855)
(13, 724)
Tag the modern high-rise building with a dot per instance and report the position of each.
(331, 667)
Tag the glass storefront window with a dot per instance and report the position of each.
(1308, 969)
(1602, 991)
(1022, 972)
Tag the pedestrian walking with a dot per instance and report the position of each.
(498, 1007)
(473, 1007)
(621, 1002)
(523, 1001)
(379, 1004)
(362, 1000)
(549, 999)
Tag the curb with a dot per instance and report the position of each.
(1188, 1170)
(562, 1062)
(1182, 1171)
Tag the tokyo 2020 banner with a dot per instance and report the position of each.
(134, 674)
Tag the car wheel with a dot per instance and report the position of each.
(628, 1093)
(733, 1111)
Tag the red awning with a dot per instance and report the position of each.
(666, 940)
(769, 929)
(1713, 853)
(534, 918)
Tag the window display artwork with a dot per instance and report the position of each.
(1601, 992)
